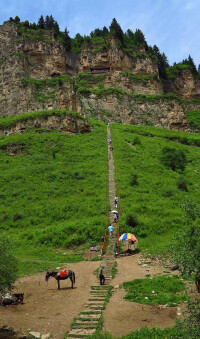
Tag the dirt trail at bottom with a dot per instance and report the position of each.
(46, 309)
(121, 316)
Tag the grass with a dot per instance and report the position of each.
(140, 78)
(42, 83)
(144, 333)
(194, 118)
(117, 91)
(175, 70)
(159, 290)
(50, 207)
(152, 209)
(114, 270)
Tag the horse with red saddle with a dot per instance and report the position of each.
(61, 275)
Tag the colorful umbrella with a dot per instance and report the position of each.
(127, 236)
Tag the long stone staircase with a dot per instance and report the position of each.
(89, 320)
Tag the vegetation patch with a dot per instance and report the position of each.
(194, 118)
(151, 194)
(159, 290)
(140, 78)
(138, 97)
(176, 69)
(91, 77)
(173, 158)
(45, 188)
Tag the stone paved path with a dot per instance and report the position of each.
(88, 320)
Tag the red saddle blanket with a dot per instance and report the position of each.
(63, 273)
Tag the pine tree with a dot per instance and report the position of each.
(17, 19)
(51, 22)
(41, 22)
(47, 22)
(139, 38)
(165, 60)
(26, 24)
(56, 29)
(105, 31)
(161, 61)
(130, 34)
(115, 29)
(192, 64)
(33, 25)
(67, 40)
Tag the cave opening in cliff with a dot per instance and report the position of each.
(100, 70)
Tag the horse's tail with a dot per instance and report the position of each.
(73, 277)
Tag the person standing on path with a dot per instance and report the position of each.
(110, 229)
(115, 250)
(101, 276)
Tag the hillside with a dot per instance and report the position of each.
(84, 120)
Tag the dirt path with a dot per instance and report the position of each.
(45, 309)
(121, 316)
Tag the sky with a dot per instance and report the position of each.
(172, 25)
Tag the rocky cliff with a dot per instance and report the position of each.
(36, 73)
(66, 123)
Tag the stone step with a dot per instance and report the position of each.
(85, 326)
(94, 307)
(89, 317)
(96, 299)
(85, 322)
(80, 333)
(98, 293)
(94, 303)
(103, 292)
(99, 287)
(90, 312)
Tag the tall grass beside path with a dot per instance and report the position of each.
(53, 195)
(152, 202)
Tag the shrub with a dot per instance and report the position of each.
(182, 184)
(131, 221)
(134, 179)
(136, 141)
(8, 265)
(100, 85)
(173, 158)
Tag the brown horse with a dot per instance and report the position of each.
(56, 275)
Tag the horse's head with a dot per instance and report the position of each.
(47, 276)
(20, 297)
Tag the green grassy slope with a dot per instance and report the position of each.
(150, 197)
(52, 194)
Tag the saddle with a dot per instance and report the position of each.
(63, 273)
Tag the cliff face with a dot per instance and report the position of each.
(124, 109)
(117, 60)
(64, 123)
(184, 85)
(28, 66)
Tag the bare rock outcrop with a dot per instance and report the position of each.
(124, 109)
(66, 123)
